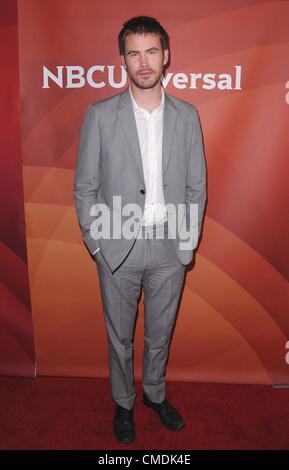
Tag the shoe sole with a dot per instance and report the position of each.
(125, 442)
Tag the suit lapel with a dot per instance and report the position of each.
(169, 129)
(128, 124)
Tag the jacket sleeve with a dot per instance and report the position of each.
(196, 193)
(86, 182)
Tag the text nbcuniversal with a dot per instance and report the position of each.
(100, 76)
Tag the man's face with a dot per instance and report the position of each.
(144, 59)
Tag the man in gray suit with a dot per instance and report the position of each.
(143, 149)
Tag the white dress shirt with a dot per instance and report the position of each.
(150, 134)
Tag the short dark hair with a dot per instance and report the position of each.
(142, 25)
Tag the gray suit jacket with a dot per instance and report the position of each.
(109, 163)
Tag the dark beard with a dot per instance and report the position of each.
(145, 86)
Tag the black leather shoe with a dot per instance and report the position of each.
(169, 415)
(123, 425)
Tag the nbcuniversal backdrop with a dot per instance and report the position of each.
(229, 59)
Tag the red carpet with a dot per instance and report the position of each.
(72, 413)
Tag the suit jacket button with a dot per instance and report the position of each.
(142, 191)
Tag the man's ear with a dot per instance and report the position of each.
(123, 61)
(166, 57)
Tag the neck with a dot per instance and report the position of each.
(149, 98)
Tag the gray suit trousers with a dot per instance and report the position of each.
(152, 263)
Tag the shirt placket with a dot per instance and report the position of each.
(150, 159)
(151, 123)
